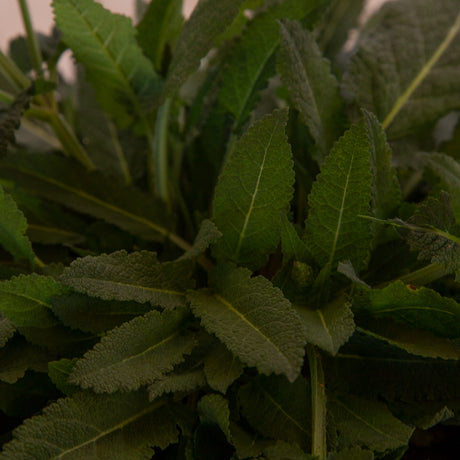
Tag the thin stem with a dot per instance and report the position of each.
(318, 404)
(424, 275)
(39, 263)
(119, 152)
(13, 73)
(32, 42)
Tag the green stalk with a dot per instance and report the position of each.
(32, 42)
(119, 152)
(318, 404)
(13, 73)
(424, 275)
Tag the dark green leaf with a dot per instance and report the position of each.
(353, 453)
(7, 330)
(207, 235)
(59, 372)
(214, 408)
(284, 451)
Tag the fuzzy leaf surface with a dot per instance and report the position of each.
(208, 20)
(254, 188)
(13, 226)
(136, 353)
(136, 276)
(407, 64)
(105, 44)
(7, 330)
(314, 90)
(368, 423)
(66, 182)
(253, 319)
(329, 327)
(277, 409)
(207, 235)
(59, 372)
(342, 191)
(121, 427)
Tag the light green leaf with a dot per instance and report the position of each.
(341, 193)
(221, 368)
(353, 453)
(207, 235)
(421, 308)
(137, 276)
(159, 27)
(7, 330)
(105, 44)
(278, 409)
(209, 19)
(120, 426)
(214, 408)
(253, 319)
(368, 423)
(314, 90)
(64, 181)
(406, 66)
(254, 188)
(13, 226)
(329, 327)
(88, 314)
(252, 61)
(136, 353)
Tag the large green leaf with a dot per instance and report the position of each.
(66, 182)
(209, 19)
(255, 186)
(214, 408)
(407, 63)
(120, 426)
(137, 276)
(105, 44)
(252, 61)
(7, 330)
(314, 90)
(136, 353)
(341, 193)
(253, 319)
(13, 226)
(278, 409)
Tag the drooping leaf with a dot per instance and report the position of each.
(329, 327)
(214, 408)
(105, 44)
(137, 276)
(119, 426)
(254, 188)
(314, 90)
(252, 61)
(253, 319)
(221, 368)
(207, 235)
(341, 193)
(278, 409)
(159, 27)
(136, 353)
(59, 372)
(10, 120)
(367, 423)
(402, 73)
(88, 314)
(352, 453)
(208, 20)
(64, 181)
(7, 330)
(13, 226)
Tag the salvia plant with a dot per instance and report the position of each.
(232, 237)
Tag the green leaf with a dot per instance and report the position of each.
(88, 314)
(214, 408)
(7, 330)
(105, 44)
(341, 193)
(353, 453)
(159, 27)
(284, 451)
(278, 409)
(59, 372)
(121, 426)
(292, 246)
(329, 327)
(221, 368)
(314, 90)
(405, 69)
(252, 61)
(254, 188)
(209, 19)
(421, 308)
(137, 276)
(207, 235)
(136, 353)
(368, 423)
(64, 181)
(253, 319)
(13, 226)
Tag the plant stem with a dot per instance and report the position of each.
(32, 42)
(424, 275)
(318, 404)
(13, 73)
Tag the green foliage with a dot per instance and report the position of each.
(227, 238)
